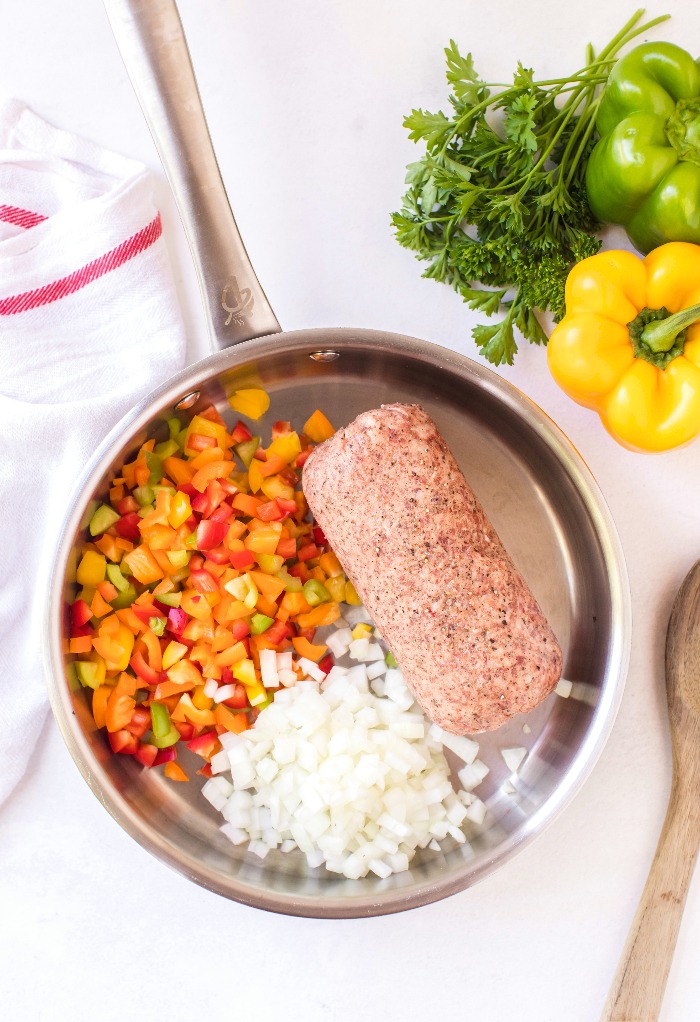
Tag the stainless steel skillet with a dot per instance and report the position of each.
(539, 494)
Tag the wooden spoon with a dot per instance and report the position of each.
(638, 987)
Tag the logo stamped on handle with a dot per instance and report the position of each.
(238, 302)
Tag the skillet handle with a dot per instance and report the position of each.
(154, 50)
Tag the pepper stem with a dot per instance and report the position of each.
(661, 335)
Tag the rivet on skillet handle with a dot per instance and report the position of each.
(152, 44)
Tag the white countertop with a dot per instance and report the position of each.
(305, 103)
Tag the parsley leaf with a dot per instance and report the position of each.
(499, 200)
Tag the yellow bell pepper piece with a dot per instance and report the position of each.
(206, 427)
(287, 446)
(115, 648)
(173, 652)
(621, 351)
(251, 402)
(244, 671)
(180, 509)
(92, 568)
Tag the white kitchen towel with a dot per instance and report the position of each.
(89, 324)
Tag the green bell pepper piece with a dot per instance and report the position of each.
(260, 623)
(246, 450)
(156, 466)
(165, 449)
(644, 173)
(315, 592)
(164, 733)
(125, 598)
(115, 576)
(104, 517)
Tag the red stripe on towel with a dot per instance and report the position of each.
(20, 217)
(137, 243)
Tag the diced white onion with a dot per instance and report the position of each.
(268, 668)
(224, 692)
(564, 687)
(343, 767)
(514, 757)
(211, 687)
(465, 748)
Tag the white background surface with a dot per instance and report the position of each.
(305, 104)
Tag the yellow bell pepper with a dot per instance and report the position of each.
(629, 344)
(250, 401)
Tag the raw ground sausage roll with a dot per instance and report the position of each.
(469, 636)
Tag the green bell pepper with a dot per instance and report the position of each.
(644, 172)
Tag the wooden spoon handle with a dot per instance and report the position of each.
(638, 987)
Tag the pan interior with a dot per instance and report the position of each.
(548, 513)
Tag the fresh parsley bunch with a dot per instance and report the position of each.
(499, 198)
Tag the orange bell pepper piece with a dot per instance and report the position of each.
(231, 655)
(318, 428)
(185, 672)
(268, 585)
(143, 565)
(234, 722)
(186, 710)
(194, 604)
(295, 603)
(174, 771)
(179, 470)
(100, 697)
(307, 649)
(80, 644)
(325, 614)
(246, 503)
(214, 470)
(265, 606)
(119, 710)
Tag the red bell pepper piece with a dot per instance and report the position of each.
(287, 548)
(145, 611)
(177, 619)
(185, 728)
(325, 663)
(216, 494)
(123, 741)
(239, 699)
(289, 507)
(219, 555)
(306, 552)
(203, 582)
(144, 670)
(205, 745)
(199, 442)
(210, 534)
(189, 489)
(241, 559)
(241, 434)
(126, 505)
(240, 629)
(128, 526)
(301, 458)
(270, 511)
(280, 428)
(223, 513)
(80, 613)
(140, 722)
(165, 755)
(146, 754)
(319, 537)
(278, 632)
